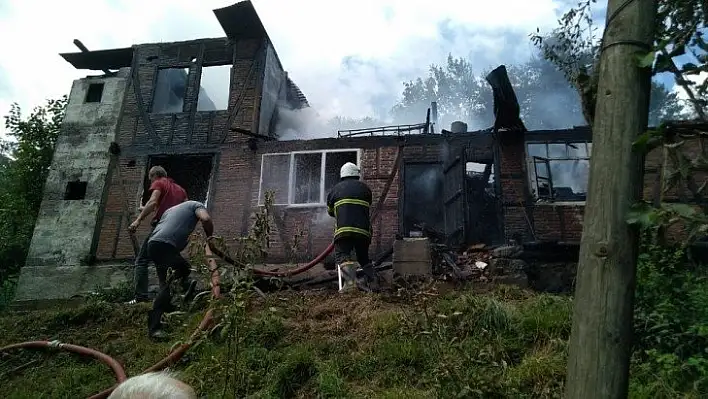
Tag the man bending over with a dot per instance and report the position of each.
(170, 237)
(165, 194)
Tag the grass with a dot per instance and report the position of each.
(503, 343)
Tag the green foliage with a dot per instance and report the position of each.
(670, 324)
(22, 178)
(575, 49)
(292, 345)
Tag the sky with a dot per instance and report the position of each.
(349, 58)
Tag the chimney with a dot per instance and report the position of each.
(434, 115)
(458, 127)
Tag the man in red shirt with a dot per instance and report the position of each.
(165, 194)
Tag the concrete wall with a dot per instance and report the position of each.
(65, 234)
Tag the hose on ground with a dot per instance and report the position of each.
(206, 322)
(286, 273)
(208, 318)
(171, 358)
(81, 350)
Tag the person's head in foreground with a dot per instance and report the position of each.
(160, 385)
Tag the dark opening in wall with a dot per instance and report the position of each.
(94, 94)
(75, 190)
(422, 199)
(192, 172)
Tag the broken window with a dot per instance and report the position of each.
(275, 176)
(170, 90)
(559, 171)
(94, 94)
(75, 190)
(307, 178)
(192, 172)
(333, 163)
(302, 178)
(214, 88)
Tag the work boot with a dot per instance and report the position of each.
(159, 335)
(137, 300)
(371, 280)
(347, 272)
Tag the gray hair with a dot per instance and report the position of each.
(157, 171)
(160, 385)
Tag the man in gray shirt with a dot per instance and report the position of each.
(168, 239)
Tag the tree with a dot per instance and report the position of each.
(600, 342)
(22, 177)
(546, 98)
(574, 49)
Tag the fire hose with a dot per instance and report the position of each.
(173, 357)
(208, 318)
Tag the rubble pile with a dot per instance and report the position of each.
(506, 266)
(479, 262)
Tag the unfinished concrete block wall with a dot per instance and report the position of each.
(65, 238)
(188, 129)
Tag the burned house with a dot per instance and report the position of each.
(206, 110)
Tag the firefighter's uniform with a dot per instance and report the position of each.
(349, 203)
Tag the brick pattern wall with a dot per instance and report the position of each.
(524, 217)
(313, 227)
(514, 187)
(186, 132)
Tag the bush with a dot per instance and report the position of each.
(670, 324)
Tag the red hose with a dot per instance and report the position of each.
(177, 354)
(102, 357)
(206, 322)
(300, 269)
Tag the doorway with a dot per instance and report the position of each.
(422, 202)
(192, 172)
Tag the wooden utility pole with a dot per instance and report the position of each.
(600, 341)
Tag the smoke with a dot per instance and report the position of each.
(301, 124)
(321, 218)
(426, 184)
(308, 124)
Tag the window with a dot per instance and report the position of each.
(75, 190)
(170, 89)
(192, 172)
(559, 171)
(214, 88)
(302, 178)
(94, 94)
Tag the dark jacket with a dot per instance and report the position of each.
(349, 203)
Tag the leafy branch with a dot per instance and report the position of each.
(575, 50)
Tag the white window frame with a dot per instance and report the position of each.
(291, 175)
(531, 167)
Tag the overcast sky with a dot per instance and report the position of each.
(348, 57)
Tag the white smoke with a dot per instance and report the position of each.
(302, 124)
(321, 218)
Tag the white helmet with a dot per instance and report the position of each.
(349, 170)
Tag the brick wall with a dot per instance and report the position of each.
(142, 134)
(312, 225)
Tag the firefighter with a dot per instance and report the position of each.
(349, 203)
